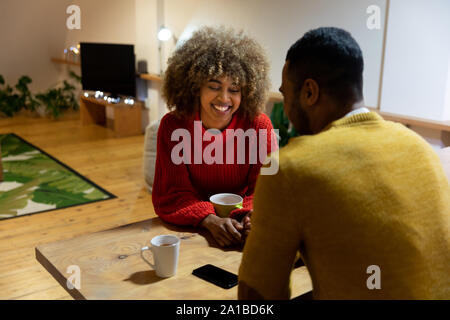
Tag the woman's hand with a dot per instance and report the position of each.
(226, 231)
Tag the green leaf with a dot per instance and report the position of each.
(68, 86)
(14, 176)
(25, 80)
(95, 195)
(60, 198)
(15, 199)
(75, 76)
(281, 122)
(12, 145)
(9, 205)
(44, 180)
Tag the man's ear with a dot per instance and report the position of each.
(310, 92)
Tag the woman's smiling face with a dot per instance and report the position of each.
(219, 99)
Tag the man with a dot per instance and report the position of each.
(365, 201)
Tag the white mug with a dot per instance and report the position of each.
(165, 249)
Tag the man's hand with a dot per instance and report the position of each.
(246, 224)
(226, 231)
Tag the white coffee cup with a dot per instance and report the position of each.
(165, 249)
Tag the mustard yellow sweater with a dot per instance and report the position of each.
(363, 192)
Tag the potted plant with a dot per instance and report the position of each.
(281, 122)
(59, 99)
(12, 101)
(26, 100)
(54, 100)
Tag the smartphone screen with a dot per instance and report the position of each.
(218, 276)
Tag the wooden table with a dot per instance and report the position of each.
(111, 267)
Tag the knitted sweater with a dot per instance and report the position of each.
(365, 192)
(181, 191)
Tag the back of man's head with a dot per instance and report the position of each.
(332, 58)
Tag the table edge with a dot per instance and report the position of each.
(58, 276)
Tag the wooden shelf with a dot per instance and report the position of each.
(406, 120)
(151, 77)
(145, 76)
(62, 61)
(414, 121)
(275, 97)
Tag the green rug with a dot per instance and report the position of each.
(35, 182)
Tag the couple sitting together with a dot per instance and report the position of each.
(351, 192)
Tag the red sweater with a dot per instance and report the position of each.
(181, 191)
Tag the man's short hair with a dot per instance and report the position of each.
(333, 59)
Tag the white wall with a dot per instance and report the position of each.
(146, 48)
(278, 24)
(416, 78)
(111, 21)
(435, 138)
(30, 33)
(123, 22)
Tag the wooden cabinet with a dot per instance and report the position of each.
(125, 120)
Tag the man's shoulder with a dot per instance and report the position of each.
(346, 143)
(298, 153)
(303, 147)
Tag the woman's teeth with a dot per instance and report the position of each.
(221, 108)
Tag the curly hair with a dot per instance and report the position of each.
(213, 52)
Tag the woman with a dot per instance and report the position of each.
(218, 77)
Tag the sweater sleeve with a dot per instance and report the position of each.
(262, 122)
(279, 233)
(174, 198)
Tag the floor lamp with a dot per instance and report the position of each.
(164, 35)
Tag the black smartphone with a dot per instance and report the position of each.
(216, 275)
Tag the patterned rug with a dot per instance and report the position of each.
(35, 182)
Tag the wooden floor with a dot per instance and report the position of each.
(115, 164)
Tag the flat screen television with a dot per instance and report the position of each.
(109, 68)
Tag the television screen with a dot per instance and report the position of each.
(108, 68)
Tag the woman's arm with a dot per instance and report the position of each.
(174, 198)
(262, 122)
